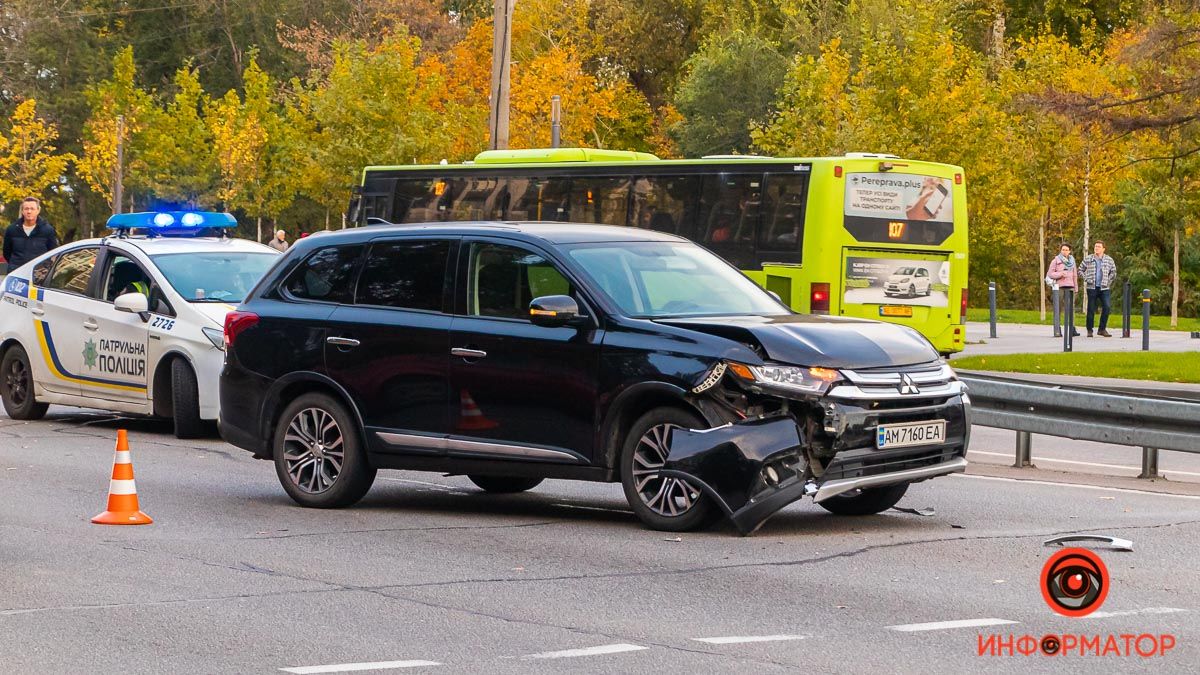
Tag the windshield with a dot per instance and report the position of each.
(660, 279)
(905, 271)
(215, 276)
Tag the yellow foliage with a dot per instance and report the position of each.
(29, 163)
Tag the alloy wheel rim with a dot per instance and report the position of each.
(313, 450)
(17, 380)
(668, 497)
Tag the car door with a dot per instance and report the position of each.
(519, 390)
(115, 350)
(60, 311)
(390, 348)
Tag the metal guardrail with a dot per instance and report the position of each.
(1120, 418)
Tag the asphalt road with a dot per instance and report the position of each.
(232, 577)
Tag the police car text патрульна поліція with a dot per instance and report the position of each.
(131, 322)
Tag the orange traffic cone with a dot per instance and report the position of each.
(470, 417)
(122, 495)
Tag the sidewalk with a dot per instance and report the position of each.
(1020, 338)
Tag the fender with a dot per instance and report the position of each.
(271, 400)
(657, 390)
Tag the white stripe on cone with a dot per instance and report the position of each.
(121, 487)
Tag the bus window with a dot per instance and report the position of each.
(538, 199)
(420, 200)
(730, 205)
(783, 213)
(478, 199)
(664, 203)
(599, 200)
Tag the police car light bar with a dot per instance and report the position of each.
(172, 223)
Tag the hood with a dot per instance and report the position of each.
(897, 276)
(831, 342)
(214, 310)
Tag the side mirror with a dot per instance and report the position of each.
(552, 311)
(134, 303)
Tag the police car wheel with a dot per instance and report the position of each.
(185, 401)
(661, 503)
(16, 386)
(865, 502)
(319, 457)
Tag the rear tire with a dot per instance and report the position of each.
(865, 502)
(16, 386)
(505, 484)
(319, 457)
(667, 504)
(185, 401)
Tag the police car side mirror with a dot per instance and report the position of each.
(134, 303)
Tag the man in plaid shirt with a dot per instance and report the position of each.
(1099, 273)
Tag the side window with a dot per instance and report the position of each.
(74, 270)
(327, 275)
(124, 276)
(599, 200)
(783, 213)
(418, 200)
(504, 279)
(407, 274)
(41, 271)
(729, 208)
(665, 203)
(538, 199)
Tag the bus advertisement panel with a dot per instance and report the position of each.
(921, 281)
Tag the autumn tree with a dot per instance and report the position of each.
(30, 163)
(177, 145)
(120, 109)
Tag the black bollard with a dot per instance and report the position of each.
(992, 306)
(1146, 319)
(1069, 319)
(1126, 308)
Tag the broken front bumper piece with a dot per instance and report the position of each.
(755, 468)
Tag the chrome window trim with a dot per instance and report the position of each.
(477, 447)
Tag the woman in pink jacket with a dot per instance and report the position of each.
(1063, 273)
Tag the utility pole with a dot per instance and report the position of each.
(118, 172)
(555, 120)
(501, 70)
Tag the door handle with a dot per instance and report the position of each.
(37, 311)
(468, 353)
(91, 324)
(343, 341)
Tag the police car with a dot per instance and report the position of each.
(131, 322)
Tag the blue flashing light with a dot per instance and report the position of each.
(172, 223)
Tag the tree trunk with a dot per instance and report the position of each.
(1087, 218)
(258, 223)
(1175, 283)
(1041, 255)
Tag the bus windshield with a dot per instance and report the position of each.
(653, 280)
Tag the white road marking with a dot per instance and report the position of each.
(351, 667)
(739, 639)
(587, 651)
(1134, 612)
(447, 488)
(945, 625)
(1136, 469)
(1098, 488)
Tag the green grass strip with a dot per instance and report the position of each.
(1157, 366)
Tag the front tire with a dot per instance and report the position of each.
(319, 457)
(16, 386)
(865, 502)
(912, 291)
(504, 484)
(667, 504)
(185, 401)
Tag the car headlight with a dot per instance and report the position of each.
(215, 336)
(905, 280)
(788, 378)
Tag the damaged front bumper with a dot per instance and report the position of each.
(752, 469)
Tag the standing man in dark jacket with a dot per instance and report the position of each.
(29, 236)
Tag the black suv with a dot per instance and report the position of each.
(515, 352)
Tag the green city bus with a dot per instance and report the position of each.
(863, 235)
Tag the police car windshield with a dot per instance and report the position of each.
(214, 276)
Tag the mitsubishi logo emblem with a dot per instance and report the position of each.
(907, 386)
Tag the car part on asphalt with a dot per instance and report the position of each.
(1116, 543)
